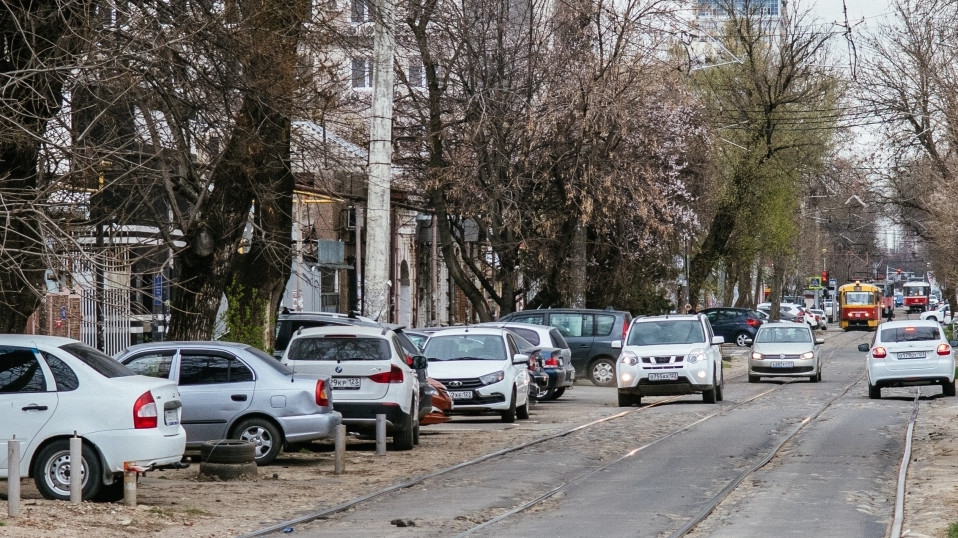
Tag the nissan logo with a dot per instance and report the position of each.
(455, 383)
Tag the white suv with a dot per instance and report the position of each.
(483, 369)
(666, 355)
(372, 371)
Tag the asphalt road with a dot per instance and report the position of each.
(650, 472)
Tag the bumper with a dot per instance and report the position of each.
(880, 376)
(142, 448)
(801, 368)
(309, 427)
(560, 377)
(364, 414)
(493, 397)
(692, 378)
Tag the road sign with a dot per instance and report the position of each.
(63, 312)
(157, 290)
(814, 282)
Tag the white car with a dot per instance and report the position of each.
(820, 317)
(666, 355)
(785, 349)
(908, 353)
(941, 314)
(483, 370)
(372, 370)
(51, 387)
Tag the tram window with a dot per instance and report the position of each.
(858, 298)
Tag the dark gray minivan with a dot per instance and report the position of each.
(589, 333)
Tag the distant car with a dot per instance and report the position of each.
(235, 391)
(440, 404)
(829, 308)
(785, 349)
(52, 388)
(665, 355)
(373, 370)
(589, 333)
(483, 369)
(786, 312)
(733, 324)
(941, 314)
(908, 353)
(287, 323)
(557, 364)
(820, 317)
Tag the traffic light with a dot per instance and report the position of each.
(824, 277)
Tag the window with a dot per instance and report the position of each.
(204, 369)
(362, 73)
(64, 376)
(360, 11)
(339, 349)
(20, 371)
(329, 289)
(577, 324)
(417, 74)
(153, 364)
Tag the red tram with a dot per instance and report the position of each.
(915, 296)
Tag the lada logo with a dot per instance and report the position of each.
(455, 383)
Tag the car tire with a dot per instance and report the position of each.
(52, 469)
(265, 436)
(228, 471)
(602, 372)
(403, 438)
(754, 379)
(948, 388)
(874, 392)
(740, 339)
(522, 412)
(720, 390)
(708, 395)
(817, 377)
(227, 451)
(558, 393)
(545, 394)
(415, 435)
(509, 415)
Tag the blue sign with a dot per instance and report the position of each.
(157, 290)
(63, 312)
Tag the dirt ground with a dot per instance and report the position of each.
(181, 504)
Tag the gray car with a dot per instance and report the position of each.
(232, 390)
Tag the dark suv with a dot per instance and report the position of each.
(589, 333)
(734, 324)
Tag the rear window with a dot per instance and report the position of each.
(338, 349)
(528, 334)
(97, 360)
(910, 334)
(604, 325)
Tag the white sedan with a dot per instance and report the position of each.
(908, 353)
(52, 387)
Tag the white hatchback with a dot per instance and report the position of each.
(666, 355)
(908, 353)
(483, 369)
(52, 387)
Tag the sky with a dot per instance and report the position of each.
(831, 10)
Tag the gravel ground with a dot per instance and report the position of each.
(179, 503)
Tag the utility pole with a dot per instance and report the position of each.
(376, 269)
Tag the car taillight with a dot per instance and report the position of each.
(552, 362)
(394, 375)
(751, 322)
(409, 360)
(625, 328)
(879, 353)
(944, 349)
(144, 411)
(322, 397)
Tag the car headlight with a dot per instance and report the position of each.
(494, 377)
(808, 355)
(629, 358)
(696, 356)
(757, 356)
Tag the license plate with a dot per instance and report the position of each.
(460, 394)
(171, 417)
(347, 383)
(912, 355)
(664, 376)
(782, 364)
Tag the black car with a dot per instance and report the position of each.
(734, 324)
(589, 333)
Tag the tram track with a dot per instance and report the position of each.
(704, 512)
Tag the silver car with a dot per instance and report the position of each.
(232, 390)
(784, 349)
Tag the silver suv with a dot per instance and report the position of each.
(666, 355)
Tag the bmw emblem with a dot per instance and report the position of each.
(339, 369)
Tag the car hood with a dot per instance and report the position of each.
(455, 369)
(665, 349)
(782, 348)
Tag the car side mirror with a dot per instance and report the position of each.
(520, 358)
(822, 341)
(748, 341)
(419, 362)
(616, 344)
(717, 340)
(863, 347)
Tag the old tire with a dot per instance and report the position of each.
(509, 415)
(264, 435)
(602, 372)
(227, 451)
(228, 471)
(52, 470)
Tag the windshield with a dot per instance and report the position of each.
(783, 335)
(858, 298)
(664, 332)
(465, 347)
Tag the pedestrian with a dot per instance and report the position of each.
(688, 308)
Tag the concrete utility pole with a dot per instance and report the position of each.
(376, 288)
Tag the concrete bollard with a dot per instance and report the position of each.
(129, 485)
(380, 435)
(76, 470)
(13, 477)
(340, 455)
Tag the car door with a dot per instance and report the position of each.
(520, 372)
(28, 401)
(215, 388)
(722, 322)
(578, 329)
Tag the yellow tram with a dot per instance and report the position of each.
(859, 306)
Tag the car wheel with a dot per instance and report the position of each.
(415, 435)
(720, 389)
(52, 470)
(708, 395)
(625, 399)
(404, 437)
(522, 412)
(753, 379)
(509, 415)
(266, 439)
(558, 393)
(948, 388)
(602, 372)
(874, 392)
(545, 394)
(740, 339)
